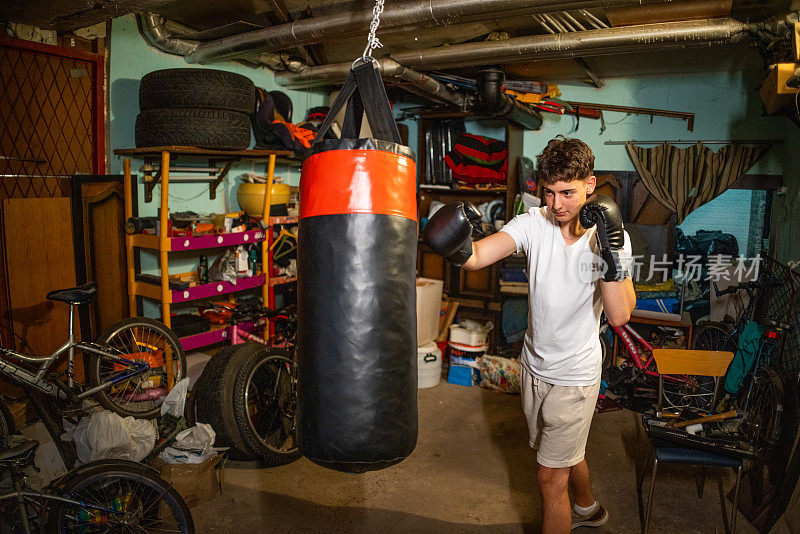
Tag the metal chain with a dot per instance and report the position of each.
(372, 40)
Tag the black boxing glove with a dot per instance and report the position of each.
(604, 212)
(449, 231)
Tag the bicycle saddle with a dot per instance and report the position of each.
(22, 452)
(75, 295)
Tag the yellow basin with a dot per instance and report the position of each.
(251, 197)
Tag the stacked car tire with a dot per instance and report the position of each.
(246, 393)
(203, 108)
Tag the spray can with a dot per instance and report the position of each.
(202, 271)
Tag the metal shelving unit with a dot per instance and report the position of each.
(165, 244)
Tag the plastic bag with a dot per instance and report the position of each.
(498, 373)
(224, 268)
(175, 401)
(192, 446)
(105, 435)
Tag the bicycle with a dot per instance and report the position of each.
(260, 378)
(762, 404)
(131, 367)
(103, 496)
(680, 391)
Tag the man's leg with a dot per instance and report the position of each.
(557, 517)
(581, 485)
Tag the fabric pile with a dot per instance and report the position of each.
(476, 159)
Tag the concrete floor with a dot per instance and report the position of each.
(472, 471)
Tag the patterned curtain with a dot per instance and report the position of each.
(683, 179)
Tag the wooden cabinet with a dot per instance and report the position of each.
(477, 291)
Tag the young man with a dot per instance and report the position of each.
(577, 254)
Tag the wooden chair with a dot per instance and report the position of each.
(696, 363)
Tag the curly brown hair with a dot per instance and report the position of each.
(564, 159)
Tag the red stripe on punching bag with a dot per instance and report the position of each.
(337, 182)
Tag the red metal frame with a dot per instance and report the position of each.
(97, 63)
(639, 358)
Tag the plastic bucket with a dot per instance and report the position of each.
(429, 366)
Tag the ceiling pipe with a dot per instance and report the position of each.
(158, 33)
(609, 41)
(499, 104)
(159, 37)
(410, 13)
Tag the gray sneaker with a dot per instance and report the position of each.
(595, 519)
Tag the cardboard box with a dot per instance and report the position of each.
(775, 94)
(197, 483)
(429, 302)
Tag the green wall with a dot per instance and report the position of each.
(726, 106)
(130, 58)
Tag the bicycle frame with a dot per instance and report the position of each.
(38, 381)
(240, 335)
(642, 362)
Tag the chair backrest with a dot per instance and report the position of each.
(692, 362)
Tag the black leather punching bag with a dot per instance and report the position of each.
(356, 350)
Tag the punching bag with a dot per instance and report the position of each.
(356, 261)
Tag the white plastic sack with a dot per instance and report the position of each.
(192, 446)
(105, 435)
(175, 401)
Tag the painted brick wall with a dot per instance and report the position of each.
(729, 212)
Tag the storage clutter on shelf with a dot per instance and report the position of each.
(256, 251)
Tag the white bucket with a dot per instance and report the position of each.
(429, 365)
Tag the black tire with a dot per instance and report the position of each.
(6, 426)
(133, 336)
(715, 336)
(265, 403)
(146, 498)
(197, 88)
(606, 349)
(203, 128)
(761, 424)
(214, 402)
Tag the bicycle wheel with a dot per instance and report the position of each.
(117, 496)
(265, 403)
(761, 423)
(140, 340)
(689, 392)
(715, 336)
(6, 426)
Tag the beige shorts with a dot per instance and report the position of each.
(559, 418)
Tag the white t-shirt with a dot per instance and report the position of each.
(562, 344)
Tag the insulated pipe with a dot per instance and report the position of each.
(540, 47)
(501, 105)
(159, 37)
(156, 31)
(410, 13)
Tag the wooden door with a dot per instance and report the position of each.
(99, 213)
(40, 258)
(51, 127)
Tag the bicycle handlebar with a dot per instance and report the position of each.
(743, 286)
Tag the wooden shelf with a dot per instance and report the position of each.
(198, 242)
(195, 151)
(278, 280)
(217, 335)
(462, 191)
(283, 220)
(204, 291)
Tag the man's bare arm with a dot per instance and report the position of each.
(489, 250)
(619, 300)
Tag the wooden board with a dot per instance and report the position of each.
(40, 258)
